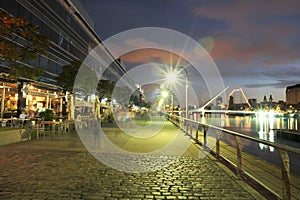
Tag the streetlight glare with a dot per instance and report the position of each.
(171, 77)
(164, 94)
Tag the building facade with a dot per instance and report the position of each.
(293, 95)
(72, 36)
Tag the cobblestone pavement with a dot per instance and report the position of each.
(60, 168)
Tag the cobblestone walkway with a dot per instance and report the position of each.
(61, 168)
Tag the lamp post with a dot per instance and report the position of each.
(164, 95)
(186, 92)
(172, 76)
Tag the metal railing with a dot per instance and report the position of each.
(270, 180)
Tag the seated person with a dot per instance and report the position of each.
(22, 115)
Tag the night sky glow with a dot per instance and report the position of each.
(255, 44)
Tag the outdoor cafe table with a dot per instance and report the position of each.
(4, 122)
(14, 122)
(52, 126)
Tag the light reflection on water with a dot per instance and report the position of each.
(259, 126)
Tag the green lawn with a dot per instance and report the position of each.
(7, 129)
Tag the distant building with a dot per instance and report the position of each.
(231, 105)
(265, 98)
(270, 98)
(253, 102)
(293, 95)
(219, 100)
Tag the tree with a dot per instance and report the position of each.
(86, 81)
(121, 94)
(105, 88)
(68, 75)
(20, 41)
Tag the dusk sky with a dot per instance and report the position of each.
(255, 44)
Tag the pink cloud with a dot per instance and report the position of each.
(234, 12)
(152, 55)
(247, 37)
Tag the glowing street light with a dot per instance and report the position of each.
(164, 94)
(172, 77)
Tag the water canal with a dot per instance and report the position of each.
(259, 126)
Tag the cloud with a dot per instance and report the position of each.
(255, 29)
(283, 72)
(153, 55)
(281, 84)
(237, 11)
(269, 51)
(165, 52)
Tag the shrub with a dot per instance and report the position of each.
(47, 115)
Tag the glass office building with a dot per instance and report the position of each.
(72, 35)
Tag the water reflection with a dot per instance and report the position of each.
(259, 126)
(262, 126)
(266, 132)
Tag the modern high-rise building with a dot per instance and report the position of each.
(293, 95)
(72, 36)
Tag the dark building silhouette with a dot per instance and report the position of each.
(270, 98)
(293, 95)
(253, 102)
(231, 103)
(265, 98)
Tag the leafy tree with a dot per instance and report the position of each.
(134, 99)
(138, 101)
(77, 76)
(68, 75)
(121, 94)
(105, 88)
(20, 41)
(86, 80)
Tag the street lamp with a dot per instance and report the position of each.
(164, 94)
(171, 78)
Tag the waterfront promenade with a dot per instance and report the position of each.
(61, 168)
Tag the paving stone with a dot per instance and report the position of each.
(61, 168)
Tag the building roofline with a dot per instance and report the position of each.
(293, 86)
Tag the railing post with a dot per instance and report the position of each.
(204, 136)
(191, 129)
(181, 123)
(286, 179)
(218, 136)
(186, 126)
(239, 155)
(197, 130)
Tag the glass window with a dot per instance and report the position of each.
(69, 19)
(35, 62)
(54, 67)
(11, 6)
(44, 62)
